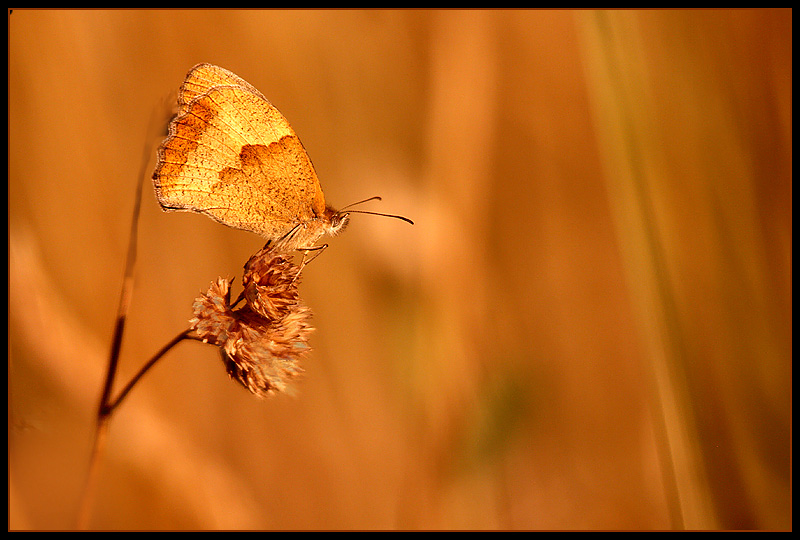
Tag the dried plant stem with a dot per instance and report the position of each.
(84, 513)
(186, 334)
(105, 407)
(103, 411)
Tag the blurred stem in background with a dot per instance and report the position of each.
(681, 116)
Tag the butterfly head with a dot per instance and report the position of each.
(337, 220)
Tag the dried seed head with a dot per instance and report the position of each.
(212, 313)
(270, 284)
(262, 342)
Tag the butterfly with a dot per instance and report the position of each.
(231, 155)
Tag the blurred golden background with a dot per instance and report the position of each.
(589, 325)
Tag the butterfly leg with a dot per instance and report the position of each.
(304, 262)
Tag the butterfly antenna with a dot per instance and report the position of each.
(379, 214)
(376, 198)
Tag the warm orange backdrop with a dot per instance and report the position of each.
(589, 326)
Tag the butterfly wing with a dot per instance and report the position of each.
(203, 77)
(233, 156)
